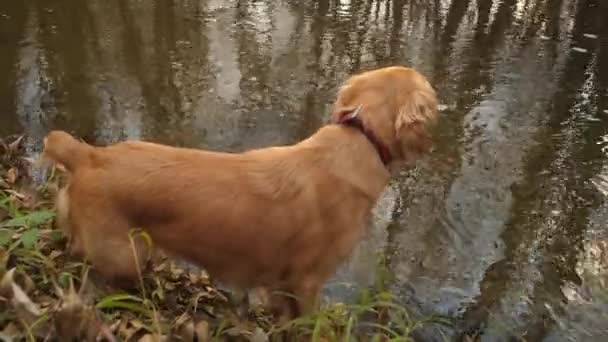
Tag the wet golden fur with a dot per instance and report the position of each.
(281, 218)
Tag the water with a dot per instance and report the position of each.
(503, 227)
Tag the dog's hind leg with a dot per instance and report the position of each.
(291, 302)
(118, 257)
(63, 222)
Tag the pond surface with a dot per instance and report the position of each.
(502, 227)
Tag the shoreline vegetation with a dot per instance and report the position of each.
(46, 295)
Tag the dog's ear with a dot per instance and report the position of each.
(346, 114)
(342, 113)
(417, 112)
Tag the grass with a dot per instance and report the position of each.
(46, 294)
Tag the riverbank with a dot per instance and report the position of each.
(47, 294)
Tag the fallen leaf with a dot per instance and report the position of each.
(106, 332)
(25, 281)
(10, 332)
(176, 272)
(12, 147)
(184, 327)
(32, 161)
(193, 277)
(161, 266)
(30, 200)
(6, 283)
(202, 331)
(76, 320)
(22, 280)
(70, 315)
(45, 300)
(150, 338)
(258, 335)
(115, 326)
(234, 332)
(55, 254)
(11, 175)
(129, 328)
(22, 301)
(169, 286)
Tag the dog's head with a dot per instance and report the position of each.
(398, 105)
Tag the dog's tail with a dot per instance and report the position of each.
(64, 149)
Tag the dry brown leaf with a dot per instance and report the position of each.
(129, 328)
(193, 278)
(10, 332)
(45, 300)
(74, 319)
(198, 277)
(176, 272)
(12, 277)
(11, 175)
(23, 303)
(115, 326)
(30, 199)
(55, 254)
(186, 332)
(26, 282)
(32, 161)
(125, 330)
(106, 333)
(151, 338)
(259, 335)
(184, 327)
(160, 267)
(15, 144)
(70, 317)
(235, 331)
(202, 331)
(182, 319)
(6, 282)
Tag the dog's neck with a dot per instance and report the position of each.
(352, 119)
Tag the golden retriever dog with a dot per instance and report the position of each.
(280, 218)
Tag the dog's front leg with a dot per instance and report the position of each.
(306, 297)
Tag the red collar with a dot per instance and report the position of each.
(352, 119)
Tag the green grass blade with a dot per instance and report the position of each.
(121, 300)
